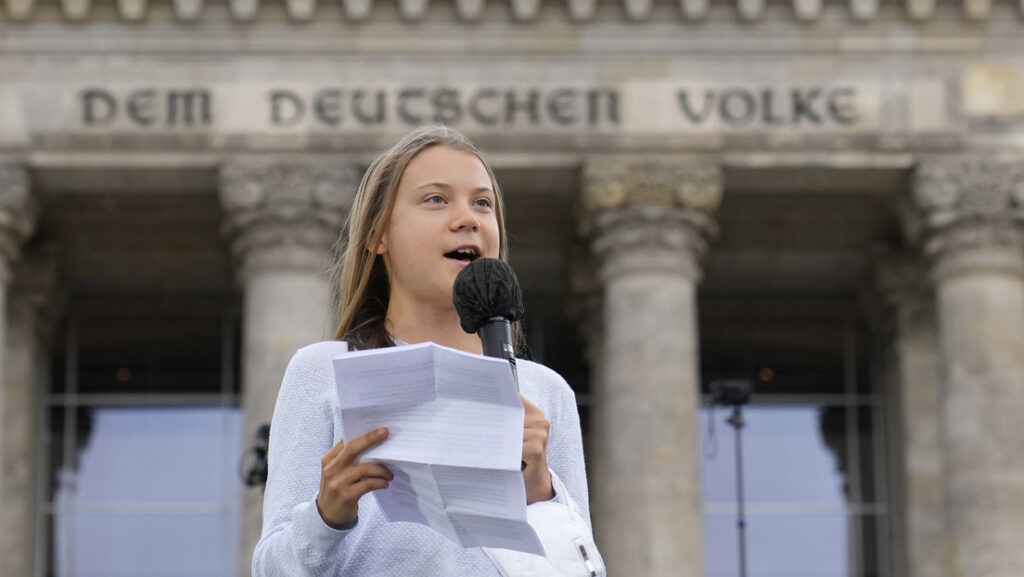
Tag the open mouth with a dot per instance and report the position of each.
(467, 254)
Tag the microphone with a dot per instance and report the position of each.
(488, 300)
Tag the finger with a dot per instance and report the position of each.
(359, 444)
(357, 490)
(335, 450)
(527, 404)
(533, 413)
(368, 470)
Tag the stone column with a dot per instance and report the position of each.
(914, 408)
(971, 212)
(648, 219)
(17, 221)
(282, 219)
(31, 315)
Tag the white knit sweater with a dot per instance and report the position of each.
(307, 422)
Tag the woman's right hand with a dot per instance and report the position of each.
(342, 483)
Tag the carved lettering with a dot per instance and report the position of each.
(737, 107)
(803, 105)
(595, 98)
(479, 114)
(560, 106)
(192, 105)
(842, 106)
(376, 116)
(99, 108)
(447, 109)
(706, 108)
(327, 106)
(286, 108)
(741, 107)
(514, 104)
(140, 107)
(404, 113)
(768, 113)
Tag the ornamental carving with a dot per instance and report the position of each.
(970, 202)
(18, 215)
(610, 182)
(288, 213)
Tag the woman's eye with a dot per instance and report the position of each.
(484, 202)
(436, 199)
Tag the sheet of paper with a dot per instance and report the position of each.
(452, 408)
(455, 446)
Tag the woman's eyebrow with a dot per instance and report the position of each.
(441, 185)
(446, 186)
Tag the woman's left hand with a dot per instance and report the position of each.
(535, 454)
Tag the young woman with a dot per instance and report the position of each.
(425, 209)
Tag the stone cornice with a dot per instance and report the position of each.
(285, 214)
(474, 10)
(970, 202)
(18, 214)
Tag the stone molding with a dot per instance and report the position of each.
(969, 206)
(285, 214)
(650, 213)
(243, 11)
(19, 213)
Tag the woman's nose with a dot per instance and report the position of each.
(465, 218)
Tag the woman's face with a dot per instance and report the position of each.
(444, 216)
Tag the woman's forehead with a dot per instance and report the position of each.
(445, 167)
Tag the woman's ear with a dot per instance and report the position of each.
(382, 245)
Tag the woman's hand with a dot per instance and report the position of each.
(342, 483)
(535, 454)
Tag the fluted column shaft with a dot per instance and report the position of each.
(972, 215)
(282, 219)
(18, 450)
(914, 407)
(30, 325)
(649, 224)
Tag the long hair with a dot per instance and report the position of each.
(362, 286)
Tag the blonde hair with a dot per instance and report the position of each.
(362, 289)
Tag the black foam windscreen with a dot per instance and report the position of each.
(486, 288)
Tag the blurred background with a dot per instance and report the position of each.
(818, 201)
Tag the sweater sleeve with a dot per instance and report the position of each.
(295, 541)
(565, 447)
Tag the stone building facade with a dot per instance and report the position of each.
(823, 197)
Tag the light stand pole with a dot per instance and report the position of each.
(736, 393)
(736, 420)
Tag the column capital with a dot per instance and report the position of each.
(18, 215)
(971, 205)
(614, 181)
(285, 213)
(650, 213)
